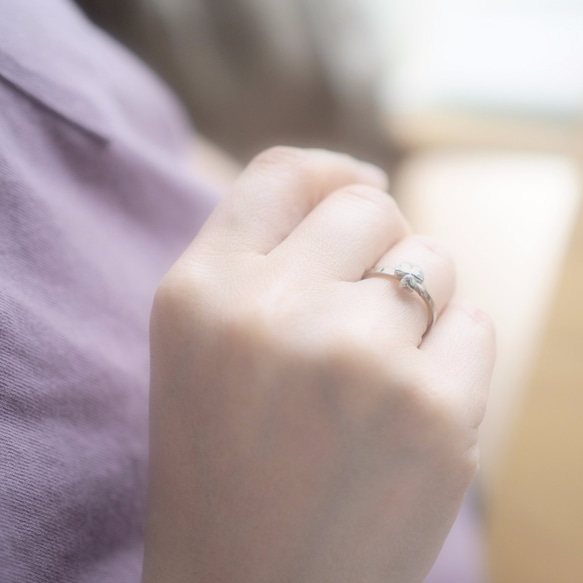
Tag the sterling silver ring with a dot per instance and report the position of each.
(411, 279)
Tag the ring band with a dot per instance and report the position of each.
(411, 278)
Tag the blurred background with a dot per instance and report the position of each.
(476, 107)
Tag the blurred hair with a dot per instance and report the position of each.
(254, 73)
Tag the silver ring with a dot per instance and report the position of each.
(411, 279)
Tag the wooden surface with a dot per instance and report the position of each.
(533, 462)
(511, 219)
(433, 129)
(535, 531)
(508, 219)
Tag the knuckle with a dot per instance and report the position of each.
(421, 406)
(332, 157)
(370, 196)
(468, 465)
(170, 290)
(173, 292)
(340, 160)
(280, 156)
(477, 315)
(480, 325)
(471, 461)
(168, 302)
(461, 467)
(353, 169)
(433, 420)
(440, 430)
(183, 290)
(436, 247)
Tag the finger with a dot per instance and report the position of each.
(344, 235)
(462, 345)
(404, 312)
(276, 191)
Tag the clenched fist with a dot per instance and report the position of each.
(303, 430)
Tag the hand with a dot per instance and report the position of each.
(302, 430)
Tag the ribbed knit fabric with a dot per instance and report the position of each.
(96, 203)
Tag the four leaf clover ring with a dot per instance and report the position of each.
(411, 278)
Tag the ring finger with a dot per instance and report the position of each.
(405, 312)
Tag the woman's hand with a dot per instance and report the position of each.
(302, 429)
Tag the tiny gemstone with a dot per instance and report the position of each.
(409, 276)
(408, 282)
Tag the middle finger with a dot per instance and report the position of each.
(344, 235)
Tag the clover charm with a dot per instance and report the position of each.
(411, 279)
(409, 276)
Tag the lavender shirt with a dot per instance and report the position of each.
(96, 202)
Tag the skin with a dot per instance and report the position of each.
(302, 427)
